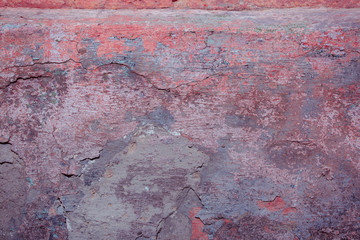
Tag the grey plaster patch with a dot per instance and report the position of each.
(6, 156)
(13, 188)
(141, 187)
(235, 121)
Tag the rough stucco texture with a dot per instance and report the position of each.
(180, 4)
(162, 124)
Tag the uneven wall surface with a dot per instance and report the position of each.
(180, 124)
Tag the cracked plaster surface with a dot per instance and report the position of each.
(262, 109)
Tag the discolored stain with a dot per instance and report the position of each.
(244, 121)
(293, 154)
(253, 227)
(348, 74)
(160, 117)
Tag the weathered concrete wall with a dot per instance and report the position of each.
(164, 124)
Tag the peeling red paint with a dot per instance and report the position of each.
(275, 205)
(197, 225)
(288, 210)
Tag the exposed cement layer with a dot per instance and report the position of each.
(141, 187)
(100, 105)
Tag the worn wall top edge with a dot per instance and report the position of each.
(178, 4)
(195, 18)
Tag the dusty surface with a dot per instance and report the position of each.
(242, 125)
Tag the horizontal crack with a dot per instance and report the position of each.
(42, 63)
(136, 73)
(24, 78)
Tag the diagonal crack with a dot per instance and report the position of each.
(187, 189)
